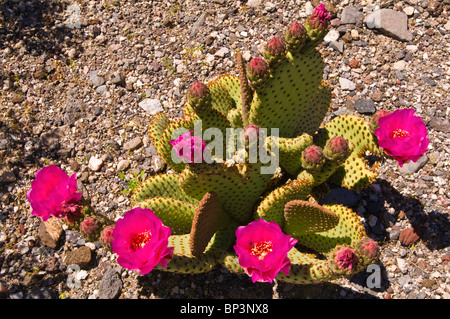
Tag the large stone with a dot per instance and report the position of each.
(351, 15)
(364, 106)
(391, 23)
(347, 84)
(133, 144)
(413, 167)
(50, 232)
(79, 256)
(110, 286)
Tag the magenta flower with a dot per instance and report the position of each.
(53, 192)
(320, 17)
(189, 148)
(262, 249)
(140, 241)
(402, 136)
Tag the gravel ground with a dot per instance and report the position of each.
(82, 79)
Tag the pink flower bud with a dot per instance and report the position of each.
(312, 157)
(197, 90)
(345, 258)
(106, 236)
(258, 67)
(275, 46)
(90, 227)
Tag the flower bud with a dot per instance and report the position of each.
(336, 148)
(312, 158)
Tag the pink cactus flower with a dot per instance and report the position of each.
(345, 258)
(53, 193)
(140, 241)
(262, 249)
(402, 136)
(189, 148)
(320, 16)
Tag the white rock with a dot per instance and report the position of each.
(402, 265)
(222, 52)
(409, 11)
(347, 84)
(254, 3)
(309, 8)
(95, 163)
(400, 65)
(151, 106)
(332, 35)
(412, 48)
(123, 165)
(447, 26)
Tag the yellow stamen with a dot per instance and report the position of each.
(400, 133)
(261, 249)
(139, 240)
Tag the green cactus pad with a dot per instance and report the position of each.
(208, 219)
(311, 120)
(183, 261)
(290, 151)
(239, 187)
(303, 217)
(161, 185)
(272, 207)
(226, 93)
(161, 130)
(287, 97)
(348, 231)
(354, 173)
(176, 214)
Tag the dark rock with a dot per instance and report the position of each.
(413, 167)
(110, 286)
(73, 111)
(337, 45)
(350, 15)
(400, 75)
(118, 78)
(365, 106)
(429, 81)
(98, 110)
(42, 293)
(7, 177)
(132, 144)
(79, 256)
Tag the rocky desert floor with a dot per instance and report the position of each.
(81, 80)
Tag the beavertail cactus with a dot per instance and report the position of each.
(248, 158)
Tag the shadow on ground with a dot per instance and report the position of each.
(37, 24)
